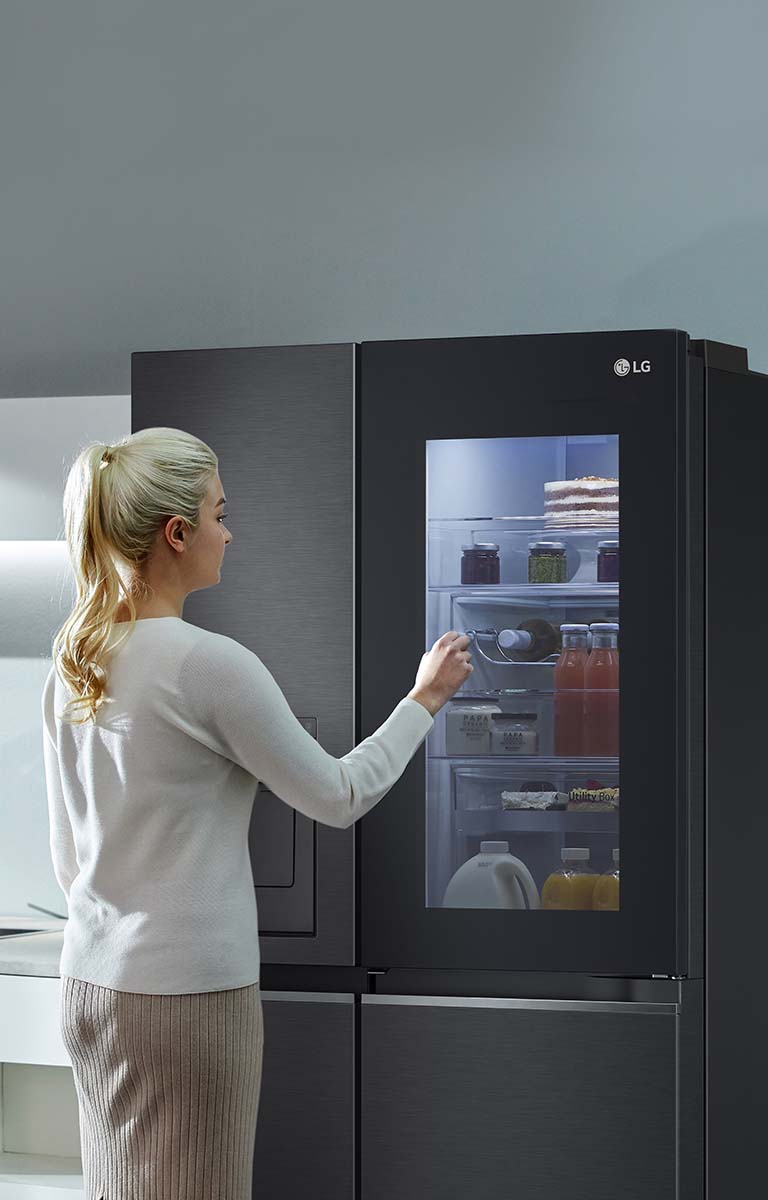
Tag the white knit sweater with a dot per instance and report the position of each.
(149, 807)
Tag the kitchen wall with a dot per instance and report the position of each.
(41, 437)
(189, 174)
(276, 171)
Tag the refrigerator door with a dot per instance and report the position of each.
(281, 420)
(503, 479)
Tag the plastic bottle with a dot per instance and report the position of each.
(606, 893)
(569, 691)
(494, 878)
(572, 886)
(601, 693)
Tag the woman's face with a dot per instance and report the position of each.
(205, 547)
(213, 536)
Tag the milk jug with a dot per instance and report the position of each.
(492, 879)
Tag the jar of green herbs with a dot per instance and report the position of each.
(546, 562)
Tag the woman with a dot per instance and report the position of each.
(155, 731)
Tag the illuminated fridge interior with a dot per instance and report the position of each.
(522, 766)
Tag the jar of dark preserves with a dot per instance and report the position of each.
(480, 563)
(608, 562)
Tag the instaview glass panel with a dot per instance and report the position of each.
(522, 766)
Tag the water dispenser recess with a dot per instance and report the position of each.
(281, 843)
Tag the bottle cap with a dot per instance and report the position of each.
(616, 855)
(483, 546)
(574, 853)
(574, 628)
(494, 847)
(611, 544)
(604, 627)
(552, 547)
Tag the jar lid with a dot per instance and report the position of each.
(604, 627)
(611, 544)
(483, 546)
(515, 716)
(552, 547)
(574, 628)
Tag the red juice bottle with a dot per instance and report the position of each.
(601, 693)
(569, 691)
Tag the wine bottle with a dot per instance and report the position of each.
(531, 641)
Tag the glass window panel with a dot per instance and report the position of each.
(522, 767)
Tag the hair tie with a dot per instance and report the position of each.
(106, 458)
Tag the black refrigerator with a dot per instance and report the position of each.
(527, 971)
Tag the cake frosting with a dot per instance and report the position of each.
(590, 500)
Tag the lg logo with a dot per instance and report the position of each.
(622, 367)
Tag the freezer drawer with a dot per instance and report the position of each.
(305, 1131)
(536, 1099)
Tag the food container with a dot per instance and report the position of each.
(514, 733)
(608, 562)
(547, 563)
(468, 728)
(480, 563)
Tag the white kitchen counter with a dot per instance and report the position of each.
(32, 953)
(16, 924)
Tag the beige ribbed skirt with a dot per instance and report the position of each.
(168, 1090)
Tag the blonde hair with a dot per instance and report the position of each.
(116, 499)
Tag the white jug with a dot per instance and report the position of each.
(494, 878)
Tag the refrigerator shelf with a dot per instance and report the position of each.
(530, 762)
(497, 593)
(527, 526)
(482, 822)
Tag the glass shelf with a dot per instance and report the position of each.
(525, 526)
(563, 592)
(530, 762)
(480, 822)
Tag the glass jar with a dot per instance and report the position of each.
(480, 563)
(546, 562)
(514, 733)
(608, 562)
(468, 728)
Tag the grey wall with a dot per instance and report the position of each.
(240, 173)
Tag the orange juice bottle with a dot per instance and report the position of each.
(606, 894)
(572, 886)
(601, 693)
(569, 691)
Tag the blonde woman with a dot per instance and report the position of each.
(154, 733)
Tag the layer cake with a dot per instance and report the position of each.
(590, 500)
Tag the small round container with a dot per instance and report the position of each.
(468, 728)
(514, 733)
(608, 562)
(546, 562)
(480, 563)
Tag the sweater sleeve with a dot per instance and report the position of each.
(238, 710)
(61, 841)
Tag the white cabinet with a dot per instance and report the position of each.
(39, 1127)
